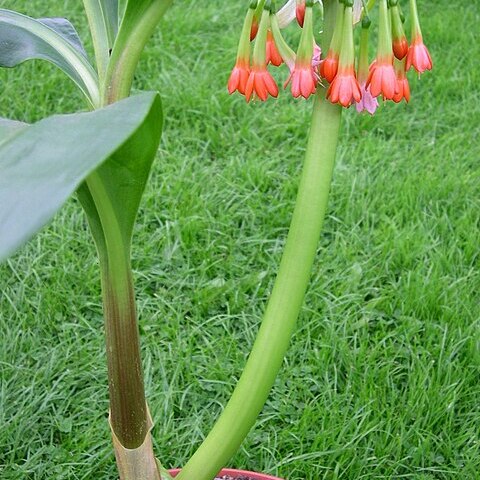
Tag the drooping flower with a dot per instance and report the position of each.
(260, 83)
(258, 9)
(241, 70)
(403, 87)
(400, 43)
(239, 77)
(329, 66)
(344, 88)
(418, 55)
(300, 12)
(382, 79)
(287, 54)
(273, 56)
(302, 77)
(368, 102)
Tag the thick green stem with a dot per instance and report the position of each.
(285, 303)
(128, 410)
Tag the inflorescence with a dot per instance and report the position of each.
(350, 78)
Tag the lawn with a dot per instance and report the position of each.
(383, 376)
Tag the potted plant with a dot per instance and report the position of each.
(105, 156)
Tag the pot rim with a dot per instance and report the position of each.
(233, 472)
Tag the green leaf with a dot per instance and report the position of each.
(43, 164)
(9, 128)
(55, 40)
(139, 21)
(103, 19)
(122, 180)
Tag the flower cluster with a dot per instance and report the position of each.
(349, 80)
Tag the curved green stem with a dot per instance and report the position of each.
(285, 303)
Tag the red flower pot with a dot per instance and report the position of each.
(237, 473)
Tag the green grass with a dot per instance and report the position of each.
(382, 380)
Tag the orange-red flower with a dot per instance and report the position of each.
(400, 43)
(300, 12)
(400, 47)
(345, 88)
(273, 56)
(254, 29)
(303, 79)
(418, 56)
(329, 66)
(260, 83)
(239, 77)
(382, 79)
(403, 87)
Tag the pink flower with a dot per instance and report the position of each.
(303, 79)
(261, 84)
(418, 56)
(345, 88)
(382, 79)
(368, 102)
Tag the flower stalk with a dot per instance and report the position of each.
(287, 295)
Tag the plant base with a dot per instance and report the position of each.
(138, 463)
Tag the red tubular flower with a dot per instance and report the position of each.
(273, 56)
(302, 76)
(241, 70)
(403, 87)
(254, 29)
(418, 56)
(304, 82)
(329, 66)
(261, 83)
(344, 88)
(382, 79)
(400, 47)
(300, 12)
(239, 76)
(400, 43)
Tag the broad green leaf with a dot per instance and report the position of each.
(103, 19)
(55, 40)
(123, 178)
(9, 128)
(43, 164)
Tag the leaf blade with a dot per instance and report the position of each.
(39, 170)
(24, 38)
